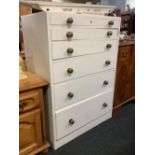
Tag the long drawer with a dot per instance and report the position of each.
(70, 119)
(62, 33)
(73, 91)
(84, 20)
(68, 69)
(65, 49)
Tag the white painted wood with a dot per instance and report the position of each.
(82, 130)
(58, 33)
(81, 47)
(83, 65)
(82, 88)
(46, 57)
(82, 113)
(84, 20)
(37, 47)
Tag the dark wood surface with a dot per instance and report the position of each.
(125, 75)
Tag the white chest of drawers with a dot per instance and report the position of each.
(78, 59)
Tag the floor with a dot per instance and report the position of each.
(113, 137)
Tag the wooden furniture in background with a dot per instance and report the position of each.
(127, 20)
(32, 131)
(125, 75)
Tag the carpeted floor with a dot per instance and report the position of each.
(113, 137)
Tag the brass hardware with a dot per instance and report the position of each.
(69, 20)
(69, 34)
(105, 82)
(70, 50)
(70, 95)
(70, 70)
(111, 23)
(48, 9)
(107, 62)
(21, 105)
(71, 121)
(109, 33)
(105, 105)
(108, 46)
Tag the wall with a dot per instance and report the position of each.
(121, 4)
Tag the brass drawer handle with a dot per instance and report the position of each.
(71, 121)
(105, 82)
(69, 20)
(111, 23)
(108, 46)
(70, 95)
(69, 35)
(109, 33)
(70, 70)
(105, 105)
(70, 50)
(21, 105)
(107, 62)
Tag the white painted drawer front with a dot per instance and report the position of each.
(81, 47)
(59, 33)
(84, 20)
(82, 113)
(82, 88)
(83, 65)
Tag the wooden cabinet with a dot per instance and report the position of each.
(125, 76)
(32, 132)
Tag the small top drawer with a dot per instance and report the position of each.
(68, 19)
(29, 100)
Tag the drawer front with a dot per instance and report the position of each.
(62, 33)
(70, 119)
(65, 49)
(68, 19)
(29, 100)
(71, 92)
(67, 69)
(30, 134)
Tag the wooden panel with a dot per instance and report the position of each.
(84, 20)
(29, 100)
(94, 108)
(30, 132)
(133, 72)
(81, 47)
(59, 33)
(81, 66)
(124, 87)
(81, 88)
